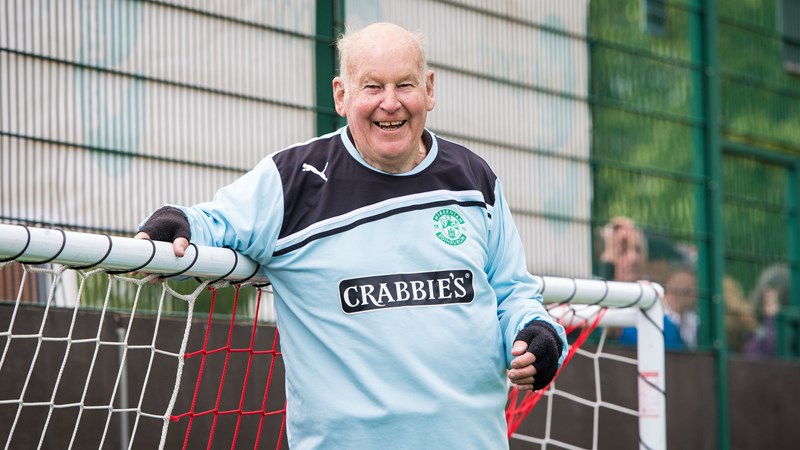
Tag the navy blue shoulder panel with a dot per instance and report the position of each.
(321, 180)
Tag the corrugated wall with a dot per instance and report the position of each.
(113, 108)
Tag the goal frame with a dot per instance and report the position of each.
(645, 312)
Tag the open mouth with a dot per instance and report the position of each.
(389, 126)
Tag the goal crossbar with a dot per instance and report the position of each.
(32, 245)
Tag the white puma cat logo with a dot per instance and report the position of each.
(312, 169)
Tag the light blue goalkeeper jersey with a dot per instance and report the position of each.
(398, 297)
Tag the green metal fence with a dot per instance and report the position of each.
(696, 137)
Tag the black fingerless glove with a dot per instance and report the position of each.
(167, 224)
(545, 344)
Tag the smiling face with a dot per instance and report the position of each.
(385, 95)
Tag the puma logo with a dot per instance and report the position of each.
(312, 169)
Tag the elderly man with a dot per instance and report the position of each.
(401, 287)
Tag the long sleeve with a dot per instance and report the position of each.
(519, 299)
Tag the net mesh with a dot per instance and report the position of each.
(107, 371)
(241, 394)
(598, 390)
(580, 328)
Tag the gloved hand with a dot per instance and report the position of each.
(167, 224)
(544, 343)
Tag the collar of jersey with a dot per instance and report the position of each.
(351, 148)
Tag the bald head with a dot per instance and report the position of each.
(381, 36)
(385, 92)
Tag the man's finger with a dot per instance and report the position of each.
(179, 246)
(522, 374)
(522, 380)
(520, 362)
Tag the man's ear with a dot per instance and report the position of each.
(431, 102)
(338, 96)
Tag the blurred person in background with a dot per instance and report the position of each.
(680, 315)
(680, 299)
(770, 294)
(624, 251)
(740, 319)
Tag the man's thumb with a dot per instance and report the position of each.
(519, 348)
(179, 246)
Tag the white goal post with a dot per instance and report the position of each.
(569, 300)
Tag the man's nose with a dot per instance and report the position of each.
(390, 101)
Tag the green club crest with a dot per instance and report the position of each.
(450, 227)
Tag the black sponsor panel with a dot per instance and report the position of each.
(406, 289)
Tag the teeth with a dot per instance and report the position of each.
(392, 124)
